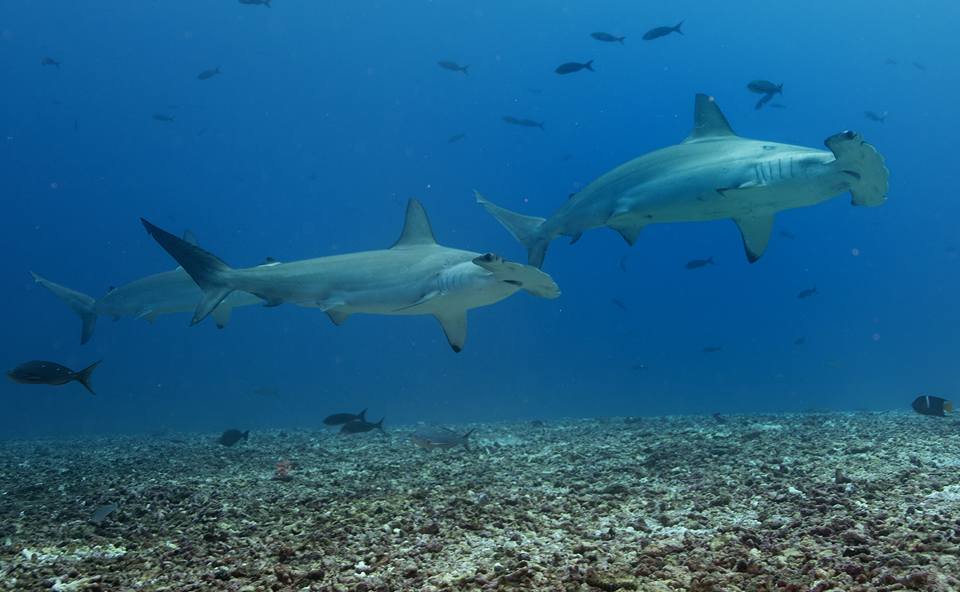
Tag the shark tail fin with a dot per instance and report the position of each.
(84, 306)
(863, 166)
(466, 438)
(526, 229)
(206, 269)
(83, 376)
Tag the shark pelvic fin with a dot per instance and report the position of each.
(338, 318)
(708, 121)
(221, 314)
(454, 326)
(755, 231)
(416, 227)
(206, 269)
(628, 229)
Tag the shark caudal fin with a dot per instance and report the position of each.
(206, 269)
(526, 229)
(525, 277)
(868, 175)
(84, 306)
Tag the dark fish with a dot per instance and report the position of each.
(163, 117)
(712, 349)
(523, 122)
(698, 263)
(799, 340)
(430, 438)
(48, 61)
(619, 304)
(101, 513)
(765, 87)
(456, 138)
(719, 418)
(807, 293)
(662, 32)
(890, 62)
(919, 66)
(763, 101)
(342, 418)
(40, 372)
(256, 2)
(571, 67)
(231, 437)
(454, 67)
(787, 234)
(361, 426)
(878, 117)
(208, 74)
(930, 405)
(600, 36)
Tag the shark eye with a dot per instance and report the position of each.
(849, 135)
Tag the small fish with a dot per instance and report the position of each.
(101, 513)
(256, 2)
(712, 349)
(658, 32)
(444, 438)
(919, 66)
(765, 87)
(571, 67)
(163, 117)
(454, 67)
(890, 62)
(48, 61)
(342, 418)
(807, 293)
(208, 74)
(623, 263)
(231, 437)
(799, 340)
(787, 234)
(523, 122)
(51, 373)
(456, 138)
(763, 101)
(360, 426)
(698, 263)
(601, 36)
(619, 304)
(930, 405)
(719, 418)
(878, 117)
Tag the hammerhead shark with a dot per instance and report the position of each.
(416, 276)
(711, 175)
(145, 298)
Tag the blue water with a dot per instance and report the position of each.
(329, 115)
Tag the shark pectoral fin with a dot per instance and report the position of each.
(338, 317)
(221, 314)
(574, 238)
(755, 231)
(627, 228)
(454, 326)
(211, 299)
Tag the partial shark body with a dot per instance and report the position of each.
(713, 174)
(146, 298)
(416, 276)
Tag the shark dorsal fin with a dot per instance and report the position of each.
(708, 120)
(416, 227)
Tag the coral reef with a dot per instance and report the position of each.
(804, 502)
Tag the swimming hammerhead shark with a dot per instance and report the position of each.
(416, 276)
(713, 174)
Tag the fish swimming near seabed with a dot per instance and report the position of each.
(930, 405)
(342, 418)
(145, 298)
(713, 174)
(658, 32)
(439, 437)
(52, 373)
(416, 276)
(361, 426)
(231, 437)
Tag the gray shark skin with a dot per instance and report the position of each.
(713, 174)
(146, 298)
(416, 276)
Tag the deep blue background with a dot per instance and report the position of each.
(329, 115)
